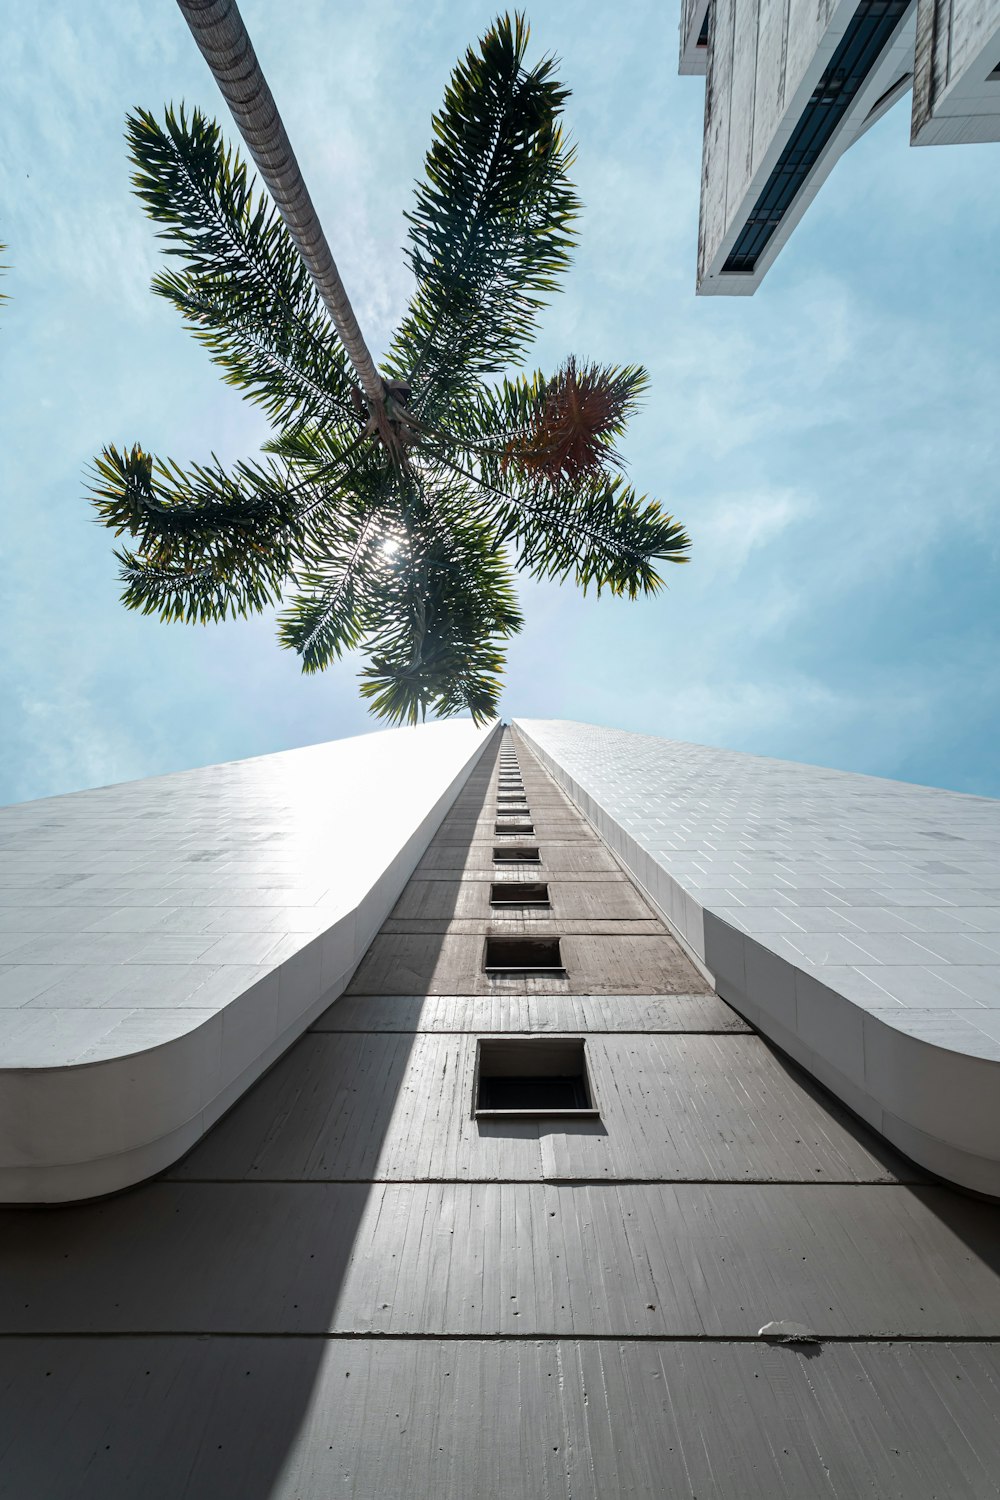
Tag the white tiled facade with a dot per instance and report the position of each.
(162, 941)
(855, 920)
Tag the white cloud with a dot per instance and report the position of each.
(731, 528)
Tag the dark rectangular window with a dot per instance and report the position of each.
(532, 1076)
(519, 955)
(519, 893)
(515, 828)
(866, 37)
(516, 854)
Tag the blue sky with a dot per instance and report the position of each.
(831, 444)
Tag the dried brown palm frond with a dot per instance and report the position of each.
(579, 413)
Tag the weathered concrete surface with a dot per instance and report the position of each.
(596, 964)
(956, 83)
(623, 1260)
(694, 19)
(647, 1014)
(432, 900)
(765, 60)
(292, 1419)
(398, 1106)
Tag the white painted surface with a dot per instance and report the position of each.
(163, 941)
(855, 921)
(956, 91)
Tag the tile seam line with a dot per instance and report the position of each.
(514, 1030)
(599, 1182)
(358, 1337)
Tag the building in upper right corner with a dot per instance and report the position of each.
(789, 85)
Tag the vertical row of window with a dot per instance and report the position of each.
(525, 1077)
(513, 814)
(517, 954)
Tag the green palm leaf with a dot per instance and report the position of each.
(491, 231)
(446, 606)
(243, 291)
(209, 544)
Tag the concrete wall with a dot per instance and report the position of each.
(693, 59)
(353, 1286)
(764, 61)
(762, 64)
(956, 90)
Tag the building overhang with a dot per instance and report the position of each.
(956, 90)
(783, 103)
(788, 88)
(695, 18)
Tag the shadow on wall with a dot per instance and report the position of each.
(183, 1388)
(533, 1130)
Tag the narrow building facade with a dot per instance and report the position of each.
(529, 1209)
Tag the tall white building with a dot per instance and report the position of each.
(471, 1113)
(789, 85)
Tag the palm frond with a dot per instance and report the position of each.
(192, 590)
(208, 543)
(243, 290)
(491, 230)
(600, 533)
(560, 427)
(444, 606)
(133, 491)
(321, 451)
(329, 613)
(597, 531)
(293, 374)
(579, 413)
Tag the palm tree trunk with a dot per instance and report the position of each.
(222, 38)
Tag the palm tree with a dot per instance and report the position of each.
(385, 510)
